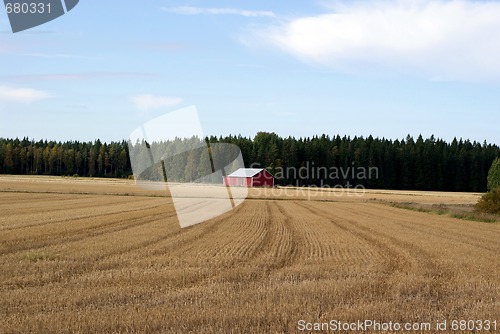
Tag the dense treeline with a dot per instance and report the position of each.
(70, 158)
(421, 164)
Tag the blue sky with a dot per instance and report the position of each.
(299, 68)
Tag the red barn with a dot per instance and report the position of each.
(250, 177)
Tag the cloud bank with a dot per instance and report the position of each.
(188, 10)
(443, 40)
(22, 95)
(147, 102)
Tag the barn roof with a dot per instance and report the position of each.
(246, 172)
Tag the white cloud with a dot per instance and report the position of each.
(56, 56)
(450, 40)
(22, 95)
(147, 102)
(188, 10)
(75, 76)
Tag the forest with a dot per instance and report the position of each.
(410, 164)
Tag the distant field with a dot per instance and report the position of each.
(91, 255)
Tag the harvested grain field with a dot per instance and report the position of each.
(103, 256)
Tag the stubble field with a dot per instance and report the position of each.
(104, 256)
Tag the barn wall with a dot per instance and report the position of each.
(263, 179)
(237, 181)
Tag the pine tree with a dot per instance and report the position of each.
(8, 163)
(494, 175)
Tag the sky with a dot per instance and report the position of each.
(296, 68)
